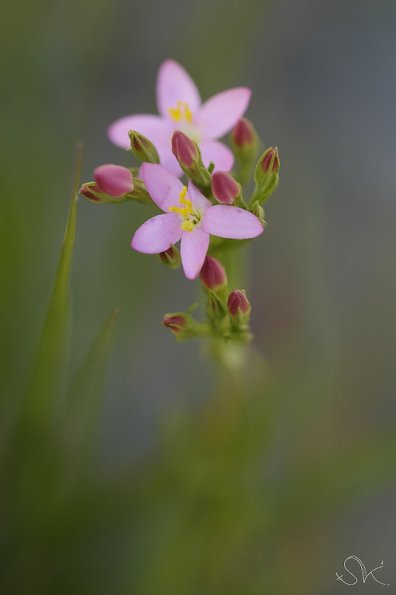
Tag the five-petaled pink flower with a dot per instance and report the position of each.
(188, 216)
(179, 104)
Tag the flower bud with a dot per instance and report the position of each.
(175, 322)
(225, 189)
(270, 161)
(266, 174)
(143, 148)
(184, 149)
(212, 273)
(237, 303)
(245, 144)
(171, 257)
(244, 134)
(114, 180)
(189, 157)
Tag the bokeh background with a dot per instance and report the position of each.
(202, 482)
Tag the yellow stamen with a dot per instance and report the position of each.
(186, 211)
(183, 193)
(180, 112)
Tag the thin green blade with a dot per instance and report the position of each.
(53, 349)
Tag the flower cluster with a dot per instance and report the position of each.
(185, 171)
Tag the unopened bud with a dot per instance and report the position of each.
(175, 322)
(171, 257)
(225, 189)
(244, 134)
(212, 273)
(143, 148)
(270, 161)
(114, 180)
(184, 149)
(237, 303)
(245, 144)
(266, 174)
(189, 157)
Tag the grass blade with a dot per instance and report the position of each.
(52, 355)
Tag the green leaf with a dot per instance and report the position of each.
(53, 349)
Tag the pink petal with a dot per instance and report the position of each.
(231, 222)
(157, 234)
(197, 198)
(193, 249)
(175, 84)
(221, 155)
(157, 129)
(222, 111)
(170, 163)
(163, 187)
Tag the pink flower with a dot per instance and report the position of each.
(180, 108)
(189, 217)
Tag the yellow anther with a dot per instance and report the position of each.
(187, 113)
(180, 112)
(174, 113)
(187, 225)
(186, 211)
(187, 202)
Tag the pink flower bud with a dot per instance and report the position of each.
(114, 180)
(270, 160)
(238, 303)
(184, 149)
(243, 133)
(175, 322)
(224, 187)
(212, 273)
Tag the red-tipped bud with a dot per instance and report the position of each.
(225, 189)
(212, 273)
(175, 322)
(184, 149)
(243, 134)
(245, 144)
(270, 161)
(114, 180)
(238, 303)
(266, 175)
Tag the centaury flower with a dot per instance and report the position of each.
(190, 217)
(180, 108)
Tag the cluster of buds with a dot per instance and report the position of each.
(228, 313)
(209, 212)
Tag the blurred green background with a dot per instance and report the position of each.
(200, 482)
